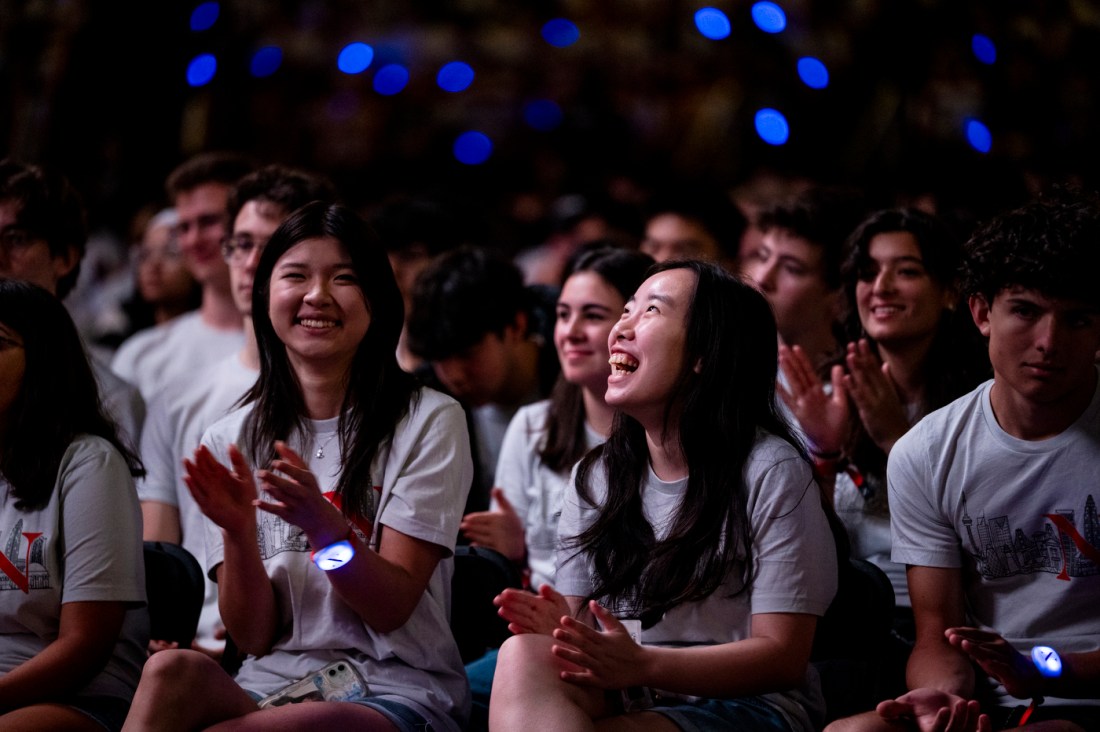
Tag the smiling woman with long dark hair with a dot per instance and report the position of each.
(695, 536)
(332, 559)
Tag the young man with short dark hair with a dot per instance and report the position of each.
(993, 497)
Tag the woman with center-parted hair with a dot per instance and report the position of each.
(73, 627)
(332, 524)
(696, 555)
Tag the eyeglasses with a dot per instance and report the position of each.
(15, 240)
(237, 249)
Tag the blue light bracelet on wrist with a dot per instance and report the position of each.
(335, 555)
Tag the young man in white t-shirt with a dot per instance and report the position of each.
(993, 498)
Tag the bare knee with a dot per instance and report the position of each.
(866, 722)
(178, 669)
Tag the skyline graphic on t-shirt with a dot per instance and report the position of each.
(24, 570)
(1059, 547)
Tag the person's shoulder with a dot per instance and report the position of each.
(948, 418)
(94, 451)
(532, 415)
(770, 448)
(228, 428)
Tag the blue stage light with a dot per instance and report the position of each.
(542, 114)
(984, 48)
(455, 76)
(472, 148)
(355, 58)
(201, 69)
(266, 61)
(769, 17)
(772, 126)
(979, 136)
(204, 16)
(712, 23)
(391, 79)
(813, 72)
(560, 32)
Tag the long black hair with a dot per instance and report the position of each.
(378, 392)
(624, 270)
(57, 401)
(718, 411)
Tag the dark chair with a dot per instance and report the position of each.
(851, 642)
(174, 586)
(480, 575)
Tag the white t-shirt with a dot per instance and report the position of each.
(421, 479)
(174, 429)
(121, 400)
(793, 551)
(533, 489)
(1018, 517)
(83, 545)
(172, 351)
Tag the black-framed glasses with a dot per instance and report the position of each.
(239, 248)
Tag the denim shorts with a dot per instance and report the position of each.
(405, 718)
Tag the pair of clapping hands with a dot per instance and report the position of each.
(826, 417)
(604, 659)
(228, 495)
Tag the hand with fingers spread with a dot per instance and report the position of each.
(998, 658)
(936, 711)
(297, 499)
(605, 659)
(825, 418)
(530, 613)
(226, 495)
(875, 396)
(500, 529)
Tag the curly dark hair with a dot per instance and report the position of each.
(1051, 245)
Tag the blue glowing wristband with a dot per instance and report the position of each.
(334, 555)
(1047, 660)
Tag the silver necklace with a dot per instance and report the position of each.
(320, 453)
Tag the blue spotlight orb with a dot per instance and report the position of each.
(455, 76)
(355, 58)
(813, 72)
(979, 136)
(542, 114)
(266, 61)
(202, 69)
(983, 48)
(391, 79)
(472, 148)
(769, 17)
(712, 23)
(204, 16)
(560, 32)
(772, 126)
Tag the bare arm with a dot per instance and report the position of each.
(86, 638)
(937, 605)
(773, 658)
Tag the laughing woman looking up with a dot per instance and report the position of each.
(355, 457)
(72, 626)
(697, 528)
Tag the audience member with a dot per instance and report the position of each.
(797, 266)
(483, 335)
(694, 222)
(327, 314)
(257, 204)
(913, 349)
(74, 624)
(42, 237)
(695, 537)
(545, 439)
(992, 502)
(164, 284)
(159, 355)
